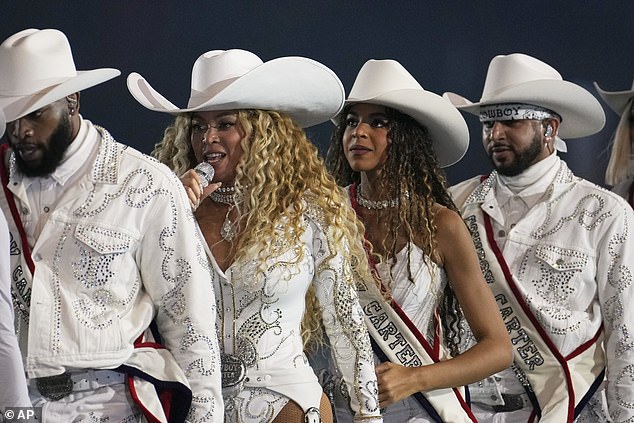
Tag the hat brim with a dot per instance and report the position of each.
(306, 90)
(16, 107)
(447, 128)
(617, 100)
(581, 113)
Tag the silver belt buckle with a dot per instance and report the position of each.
(55, 387)
(312, 415)
(233, 370)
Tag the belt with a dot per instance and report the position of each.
(57, 387)
(513, 402)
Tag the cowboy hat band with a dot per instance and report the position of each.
(37, 68)
(519, 78)
(387, 83)
(518, 111)
(308, 91)
(617, 100)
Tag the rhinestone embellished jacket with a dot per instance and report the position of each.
(573, 257)
(119, 248)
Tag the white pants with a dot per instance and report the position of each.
(596, 411)
(111, 404)
(484, 415)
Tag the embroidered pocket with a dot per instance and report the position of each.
(561, 259)
(103, 240)
(106, 285)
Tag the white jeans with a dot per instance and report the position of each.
(107, 403)
(595, 411)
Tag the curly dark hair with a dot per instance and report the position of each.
(412, 168)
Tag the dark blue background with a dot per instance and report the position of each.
(446, 45)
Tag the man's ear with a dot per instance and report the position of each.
(73, 103)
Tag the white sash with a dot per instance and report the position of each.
(560, 386)
(401, 343)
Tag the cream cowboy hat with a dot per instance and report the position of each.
(388, 83)
(309, 92)
(519, 78)
(617, 100)
(37, 69)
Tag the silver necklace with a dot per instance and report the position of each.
(375, 205)
(228, 230)
(226, 195)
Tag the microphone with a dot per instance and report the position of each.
(206, 173)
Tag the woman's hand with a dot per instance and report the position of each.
(194, 188)
(396, 382)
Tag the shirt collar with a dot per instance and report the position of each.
(534, 181)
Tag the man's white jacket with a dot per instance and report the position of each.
(120, 249)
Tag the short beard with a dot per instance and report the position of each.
(523, 160)
(58, 143)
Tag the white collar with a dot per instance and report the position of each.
(531, 185)
(537, 177)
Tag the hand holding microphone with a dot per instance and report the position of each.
(206, 173)
(194, 186)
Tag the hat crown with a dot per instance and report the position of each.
(216, 69)
(506, 71)
(617, 100)
(308, 91)
(378, 77)
(22, 57)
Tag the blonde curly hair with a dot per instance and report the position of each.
(279, 174)
(621, 163)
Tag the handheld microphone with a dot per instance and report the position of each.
(206, 173)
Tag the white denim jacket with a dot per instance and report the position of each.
(573, 255)
(120, 248)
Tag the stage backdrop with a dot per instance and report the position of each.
(446, 45)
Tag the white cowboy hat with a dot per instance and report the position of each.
(519, 78)
(617, 100)
(37, 69)
(309, 92)
(387, 83)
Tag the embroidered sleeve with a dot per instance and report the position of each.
(616, 291)
(177, 275)
(344, 324)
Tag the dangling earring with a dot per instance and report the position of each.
(72, 104)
